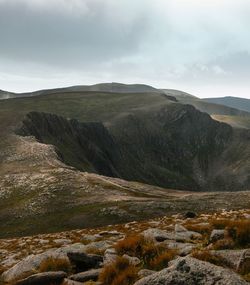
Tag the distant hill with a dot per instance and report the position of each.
(102, 87)
(234, 102)
(236, 117)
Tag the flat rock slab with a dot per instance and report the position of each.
(158, 235)
(191, 271)
(44, 278)
(83, 261)
(86, 276)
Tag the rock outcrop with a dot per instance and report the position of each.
(190, 271)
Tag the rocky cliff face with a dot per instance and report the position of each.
(86, 146)
(175, 147)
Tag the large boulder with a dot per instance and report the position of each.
(191, 271)
(158, 235)
(232, 257)
(44, 278)
(83, 261)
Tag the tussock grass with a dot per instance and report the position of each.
(152, 255)
(121, 272)
(161, 261)
(237, 230)
(55, 264)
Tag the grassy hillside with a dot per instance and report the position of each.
(234, 102)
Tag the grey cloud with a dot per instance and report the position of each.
(168, 43)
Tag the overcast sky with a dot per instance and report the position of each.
(198, 46)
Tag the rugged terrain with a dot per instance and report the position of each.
(232, 114)
(195, 249)
(59, 152)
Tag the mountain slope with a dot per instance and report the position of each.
(149, 138)
(234, 102)
(145, 137)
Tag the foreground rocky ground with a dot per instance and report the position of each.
(178, 249)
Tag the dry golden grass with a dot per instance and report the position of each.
(121, 272)
(95, 250)
(88, 283)
(202, 229)
(237, 230)
(55, 264)
(146, 250)
(161, 261)
(226, 243)
(131, 245)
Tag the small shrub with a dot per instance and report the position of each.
(138, 246)
(237, 230)
(207, 256)
(161, 261)
(55, 264)
(243, 233)
(131, 245)
(121, 272)
(126, 277)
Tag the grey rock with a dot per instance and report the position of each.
(112, 233)
(62, 241)
(44, 278)
(231, 256)
(217, 235)
(190, 271)
(132, 260)
(182, 234)
(145, 272)
(158, 235)
(98, 245)
(110, 256)
(92, 274)
(90, 238)
(83, 261)
(30, 265)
